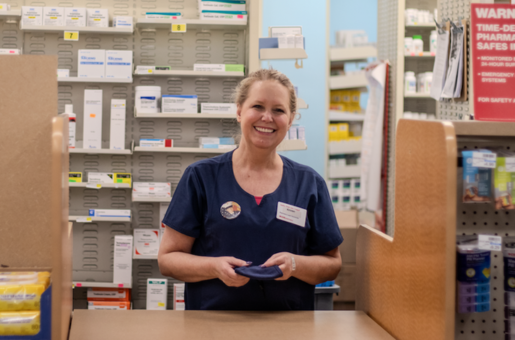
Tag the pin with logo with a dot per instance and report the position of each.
(230, 210)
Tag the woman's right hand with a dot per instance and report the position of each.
(224, 269)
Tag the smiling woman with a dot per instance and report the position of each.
(252, 206)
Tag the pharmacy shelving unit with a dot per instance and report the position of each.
(338, 57)
(152, 43)
(429, 216)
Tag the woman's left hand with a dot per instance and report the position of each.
(284, 261)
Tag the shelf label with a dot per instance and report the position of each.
(120, 285)
(71, 36)
(484, 160)
(489, 242)
(84, 219)
(178, 28)
(94, 186)
(79, 284)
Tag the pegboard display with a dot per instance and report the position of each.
(456, 10)
(484, 219)
(151, 45)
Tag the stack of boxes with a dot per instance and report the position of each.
(345, 194)
(71, 17)
(346, 101)
(109, 298)
(216, 143)
(296, 132)
(111, 64)
(222, 10)
(21, 304)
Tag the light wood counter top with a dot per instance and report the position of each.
(218, 325)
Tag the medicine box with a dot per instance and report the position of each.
(218, 108)
(209, 5)
(215, 140)
(301, 133)
(151, 190)
(118, 64)
(223, 15)
(292, 133)
(179, 104)
(75, 177)
(9, 51)
(53, 16)
(108, 294)
(92, 133)
(97, 17)
(163, 15)
(156, 143)
(209, 67)
(117, 135)
(122, 262)
(100, 177)
(75, 17)
(91, 64)
(146, 242)
(178, 296)
(109, 213)
(122, 22)
(63, 73)
(5, 7)
(157, 292)
(31, 16)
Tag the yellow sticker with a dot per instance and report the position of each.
(178, 28)
(160, 304)
(71, 36)
(88, 219)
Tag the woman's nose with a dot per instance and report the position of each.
(267, 116)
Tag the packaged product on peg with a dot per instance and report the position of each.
(477, 175)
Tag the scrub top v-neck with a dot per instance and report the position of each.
(253, 233)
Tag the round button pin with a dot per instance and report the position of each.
(230, 210)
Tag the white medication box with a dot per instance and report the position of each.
(156, 143)
(301, 133)
(151, 190)
(157, 292)
(101, 177)
(117, 135)
(63, 73)
(5, 7)
(223, 15)
(122, 262)
(92, 133)
(31, 16)
(97, 17)
(108, 294)
(215, 140)
(53, 16)
(118, 64)
(218, 108)
(293, 133)
(146, 242)
(122, 22)
(109, 213)
(163, 15)
(209, 67)
(179, 104)
(75, 17)
(91, 64)
(179, 302)
(9, 51)
(209, 5)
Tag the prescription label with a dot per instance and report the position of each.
(178, 28)
(71, 36)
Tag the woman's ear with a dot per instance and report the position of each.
(238, 113)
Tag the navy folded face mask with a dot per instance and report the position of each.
(260, 273)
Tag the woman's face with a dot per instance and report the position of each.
(265, 116)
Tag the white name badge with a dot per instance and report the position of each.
(291, 213)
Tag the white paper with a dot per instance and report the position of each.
(489, 242)
(372, 140)
(440, 66)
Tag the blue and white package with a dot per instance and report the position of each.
(509, 264)
(179, 103)
(477, 180)
(473, 275)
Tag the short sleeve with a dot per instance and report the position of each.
(324, 234)
(185, 213)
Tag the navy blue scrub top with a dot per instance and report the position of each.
(255, 235)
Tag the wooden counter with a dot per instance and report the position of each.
(215, 325)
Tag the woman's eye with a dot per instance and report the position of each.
(279, 110)
(257, 106)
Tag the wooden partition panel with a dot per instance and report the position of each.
(406, 283)
(34, 229)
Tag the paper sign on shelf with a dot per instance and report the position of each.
(71, 36)
(489, 242)
(178, 28)
(484, 160)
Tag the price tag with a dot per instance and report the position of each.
(178, 28)
(84, 219)
(489, 242)
(484, 160)
(94, 186)
(71, 36)
(510, 164)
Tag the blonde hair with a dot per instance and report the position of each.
(241, 93)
